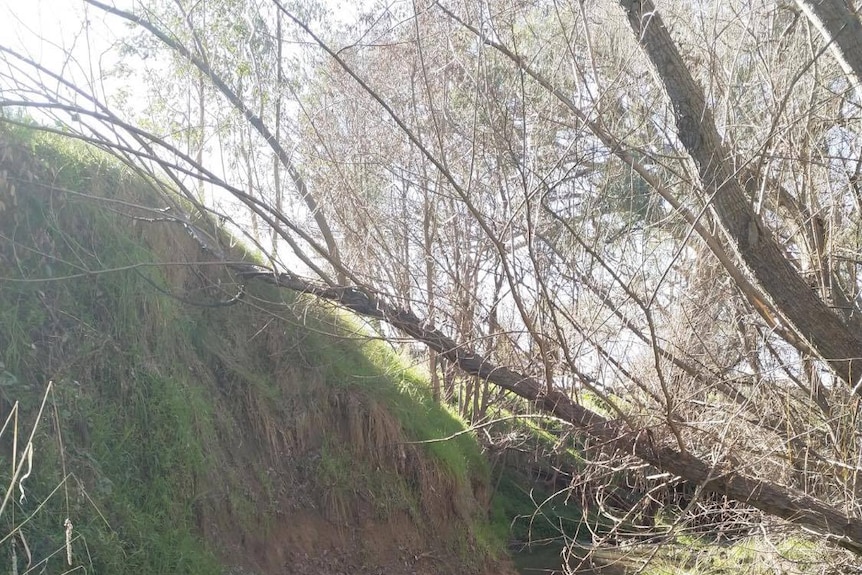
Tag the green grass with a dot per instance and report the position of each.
(752, 556)
(165, 411)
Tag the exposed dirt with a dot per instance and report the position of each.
(303, 543)
(298, 526)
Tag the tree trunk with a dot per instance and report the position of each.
(811, 317)
(841, 30)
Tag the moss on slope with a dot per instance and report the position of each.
(185, 429)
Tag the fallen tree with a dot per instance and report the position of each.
(721, 477)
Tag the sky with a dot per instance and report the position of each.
(46, 28)
(53, 34)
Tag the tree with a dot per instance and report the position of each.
(666, 214)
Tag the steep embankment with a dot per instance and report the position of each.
(195, 424)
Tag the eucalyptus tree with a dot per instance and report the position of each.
(644, 220)
(245, 78)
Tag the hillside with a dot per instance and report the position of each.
(195, 425)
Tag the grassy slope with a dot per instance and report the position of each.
(174, 418)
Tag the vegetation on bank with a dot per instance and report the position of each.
(545, 490)
(187, 410)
